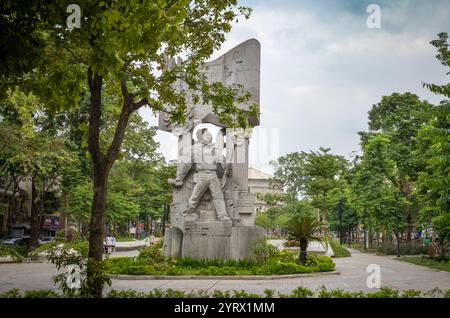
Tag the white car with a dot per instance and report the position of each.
(24, 240)
(43, 240)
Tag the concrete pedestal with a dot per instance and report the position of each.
(212, 239)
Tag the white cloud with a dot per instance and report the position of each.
(320, 74)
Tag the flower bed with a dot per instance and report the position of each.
(152, 262)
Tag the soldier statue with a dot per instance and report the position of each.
(206, 156)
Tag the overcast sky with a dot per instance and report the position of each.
(322, 68)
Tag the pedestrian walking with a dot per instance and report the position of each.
(113, 243)
(109, 243)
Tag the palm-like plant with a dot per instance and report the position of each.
(304, 228)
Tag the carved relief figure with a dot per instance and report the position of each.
(206, 156)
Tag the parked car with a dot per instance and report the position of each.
(22, 241)
(43, 240)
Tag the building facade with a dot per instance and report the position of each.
(261, 183)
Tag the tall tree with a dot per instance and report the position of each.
(399, 117)
(376, 194)
(290, 173)
(434, 181)
(29, 153)
(323, 171)
(119, 53)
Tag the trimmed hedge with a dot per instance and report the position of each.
(299, 292)
(435, 263)
(338, 249)
(405, 249)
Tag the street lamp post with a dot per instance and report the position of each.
(340, 221)
(349, 235)
(365, 230)
(398, 233)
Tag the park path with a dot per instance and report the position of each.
(353, 277)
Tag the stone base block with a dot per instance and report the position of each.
(207, 240)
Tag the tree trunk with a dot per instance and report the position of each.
(408, 225)
(150, 226)
(303, 253)
(102, 163)
(96, 231)
(35, 225)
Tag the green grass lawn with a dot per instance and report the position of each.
(425, 261)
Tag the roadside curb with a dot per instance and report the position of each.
(248, 277)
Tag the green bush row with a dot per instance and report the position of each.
(405, 249)
(338, 249)
(300, 292)
(439, 263)
(16, 252)
(81, 246)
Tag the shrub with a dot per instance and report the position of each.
(12, 293)
(218, 262)
(288, 256)
(216, 267)
(153, 254)
(302, 292)
(16, 252)
(125, 294)
(276, 267)
(266, 260)
(338, 249)
(338, 293)
(384, 292)
(262, 250)
(42, 293)
(411, 248)
(325, 264)
(299, 292)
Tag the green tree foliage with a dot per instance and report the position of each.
(376, 196)
(290, 173)
(399, 117)
(30, 153)
(323, 171)
(119, 54)
(434, 146)
(314, 176)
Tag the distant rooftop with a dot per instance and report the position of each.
(257, 174)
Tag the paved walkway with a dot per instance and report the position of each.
(353, 277)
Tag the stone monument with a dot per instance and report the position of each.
(213, 213)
